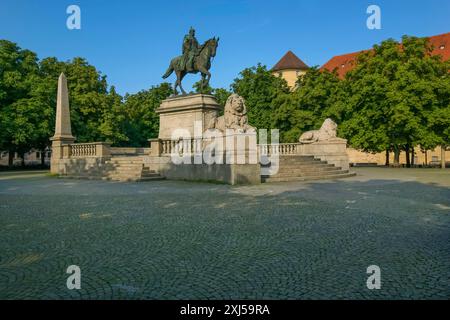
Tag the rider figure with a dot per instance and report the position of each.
(190, 49)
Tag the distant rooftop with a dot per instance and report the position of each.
(290, 61)
(346, 62)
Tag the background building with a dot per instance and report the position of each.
(290, 67)
(31, 158)
(346, 62)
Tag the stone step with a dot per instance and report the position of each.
(295, 156)
(301, 166)
(308, 178)
(130, 158)
(295, 171)
(153, 178)
(289, 161)
(126, 168)
(124, 178)
(149, 174)
(125, 162)
(309, 173)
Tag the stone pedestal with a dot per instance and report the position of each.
(334, 151)
(184, 112)
(60, 151)
(234, 160)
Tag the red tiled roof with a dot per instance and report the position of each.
(346, 62)
(290, 61)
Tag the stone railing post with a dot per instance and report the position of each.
(155, 147)
(103, 149)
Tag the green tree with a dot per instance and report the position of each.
(142, 122)
(221, 95)
(396, 94)
(259, 88)
(318, 95)
(18, 74)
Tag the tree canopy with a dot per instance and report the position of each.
(398, 97)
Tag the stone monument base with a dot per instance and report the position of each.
(183, 112)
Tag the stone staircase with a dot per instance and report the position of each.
(129, 168)
(305, 168)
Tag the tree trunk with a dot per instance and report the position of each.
(396, 156)
(22, 156)
(408, 159)
(10, 158)
(387, 158)
(443, 157)
(43, 158)
(412, 156)
(426, 158)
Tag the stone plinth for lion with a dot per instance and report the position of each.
(325, 145)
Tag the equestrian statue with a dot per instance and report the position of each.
(195, 58)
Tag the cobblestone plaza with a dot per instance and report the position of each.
(184, 240)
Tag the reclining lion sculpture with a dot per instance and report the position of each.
(326, 132)
(235, 116)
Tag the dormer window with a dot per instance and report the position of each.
(343, 65)
(442, 47)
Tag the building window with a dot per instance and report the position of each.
(49, 154)
(38, 155)
(442, 47)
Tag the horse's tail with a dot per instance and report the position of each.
(168, 72)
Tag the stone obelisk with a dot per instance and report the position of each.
(63, 131)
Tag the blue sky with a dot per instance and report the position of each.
(133, 41)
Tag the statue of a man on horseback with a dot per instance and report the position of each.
(195, 59)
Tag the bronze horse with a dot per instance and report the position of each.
(202, 64)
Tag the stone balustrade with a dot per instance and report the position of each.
(89, 150)
(279, 149)
(166, 147)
